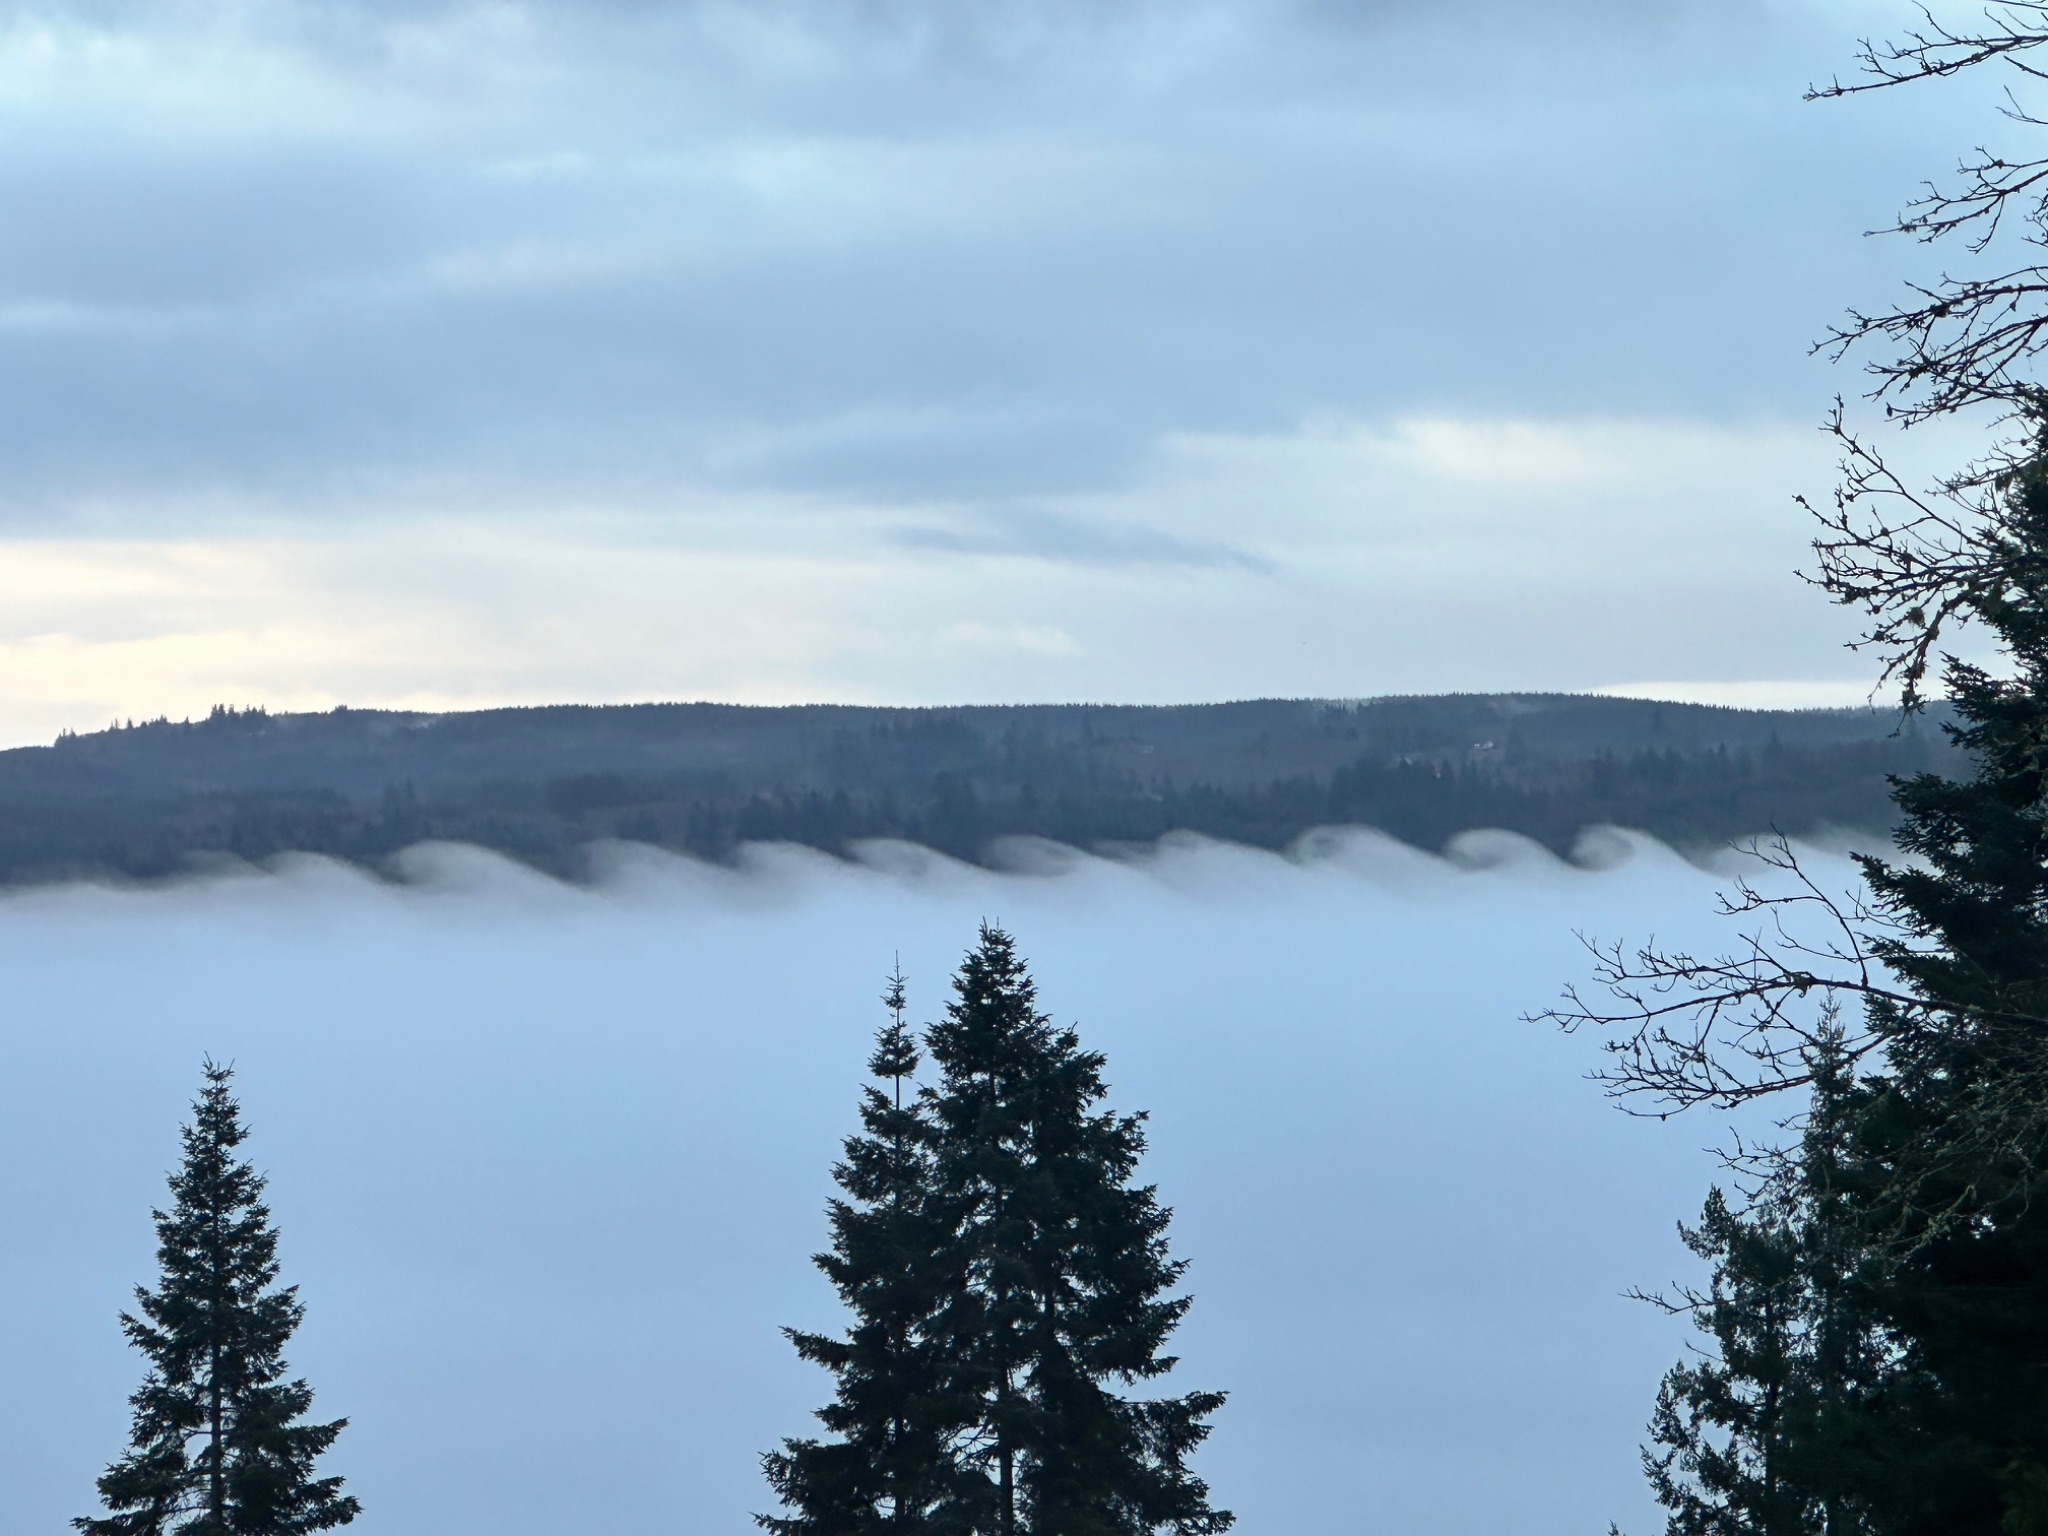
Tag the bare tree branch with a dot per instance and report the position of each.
(1916, 564)
(1934, 51)
(1685, 1031)
(1838, 983)
(1965, 339)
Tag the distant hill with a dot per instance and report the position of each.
(541, 784)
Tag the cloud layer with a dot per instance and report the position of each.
(1283, 307)
(887, 250)
(549, 1163)
(1502, 556)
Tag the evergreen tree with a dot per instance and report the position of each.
(1954, 1133)
(1918, 1244)
(1059, 1279)
(886, 1469)
(1763, 1435)
(218, 1446)
(1722, 1421)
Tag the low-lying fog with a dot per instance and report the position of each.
(549, 1164)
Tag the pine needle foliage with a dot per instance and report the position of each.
(1005, 1276)
(1910, 1237)
(1766, 1432)
(1062, 1280)
(885, 1470)
(1953, 1133)
(218, 1444)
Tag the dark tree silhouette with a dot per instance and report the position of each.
(891, 1413)
(1005, 1276)
(1062, 1282)
(1945, 961)
(1933, 1296)
(1767, 1432)
(219, 1446)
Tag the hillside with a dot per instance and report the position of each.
(541, 784)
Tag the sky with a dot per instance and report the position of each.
(437, 354)
(549, 1162)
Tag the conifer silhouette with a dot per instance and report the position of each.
(887, 1468)
(1004, 1274)
(217, 1446)
(1065, 1272)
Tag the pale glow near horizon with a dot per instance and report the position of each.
(471, 352)
(1339, 560)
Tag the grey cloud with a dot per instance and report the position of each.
(1042, 535)
(1051, 233)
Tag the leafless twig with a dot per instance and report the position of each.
(1726, 1029)
(1915, 563)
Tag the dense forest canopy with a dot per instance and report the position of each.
(150, 799)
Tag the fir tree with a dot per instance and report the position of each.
(218, 1445)
(1764, 1434)
(1060, 1274)
(1954, 1134)
(1721, 1421)
(1930, 1198)
(887, 1467)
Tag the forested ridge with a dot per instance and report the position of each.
(152, 799)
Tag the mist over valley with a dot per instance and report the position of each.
(549, 1161)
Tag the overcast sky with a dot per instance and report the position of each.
(906, 351)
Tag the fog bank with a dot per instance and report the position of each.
(549, 1162)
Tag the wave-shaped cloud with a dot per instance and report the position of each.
(549, 1160)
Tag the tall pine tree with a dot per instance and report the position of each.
(1722, 1422)
(889, 1464)
(1061, 1281)
(1933, 1198)
(218, 1445)
(1004, 1276)
(1954, 1137)
(1766, 1433)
